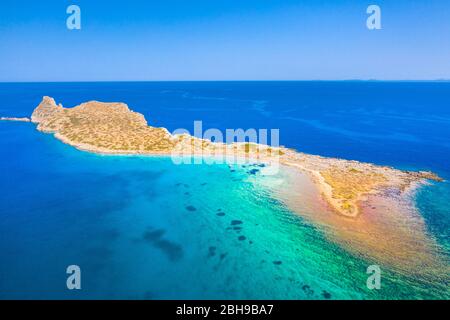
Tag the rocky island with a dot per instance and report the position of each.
(366, 208)
(112, 128)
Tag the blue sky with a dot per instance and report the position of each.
(224, 40)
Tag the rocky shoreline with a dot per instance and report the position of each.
(112, 128)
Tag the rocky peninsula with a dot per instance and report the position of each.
(112, 128)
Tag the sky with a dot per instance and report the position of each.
(168, 40)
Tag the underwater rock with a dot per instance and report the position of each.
(154, 235)
(307, 289)
(211, 251)
(171, 249)
(326, 295)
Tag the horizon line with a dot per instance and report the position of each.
(248, 80)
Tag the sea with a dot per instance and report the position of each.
(142, 227)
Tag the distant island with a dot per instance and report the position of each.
(112, 128)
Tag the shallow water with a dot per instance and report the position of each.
(142, 227)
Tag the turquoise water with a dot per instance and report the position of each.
(145, 228)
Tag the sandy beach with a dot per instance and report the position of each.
(389, 230)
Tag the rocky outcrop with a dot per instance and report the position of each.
(46, 110)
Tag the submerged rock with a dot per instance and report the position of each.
(171, 249)
(326, 295)
(211, 251)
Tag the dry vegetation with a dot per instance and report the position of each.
(102, 126)
(349, 183)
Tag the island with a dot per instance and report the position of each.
(112, 128)
(368, 209)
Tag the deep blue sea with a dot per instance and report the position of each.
(143, 228)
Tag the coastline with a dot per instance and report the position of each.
(114, 129)
(325, 189)
(389, 231)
